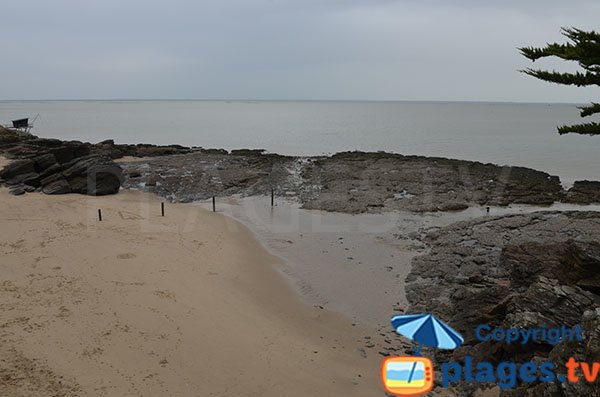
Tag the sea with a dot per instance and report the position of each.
(522, 134)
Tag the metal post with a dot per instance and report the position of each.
(100, 215)
(272, 197)
(214, 205)
(162, 209)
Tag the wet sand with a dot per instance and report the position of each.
(352, 264)
(138, 304)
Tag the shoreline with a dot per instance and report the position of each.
(106, 315)
(355, 265)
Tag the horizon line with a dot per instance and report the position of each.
(285, 100)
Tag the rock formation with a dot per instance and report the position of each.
(353, 182)
(56, 167)
(539, 269)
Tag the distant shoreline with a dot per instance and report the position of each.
(423, 101)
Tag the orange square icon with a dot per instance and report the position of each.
(407, 376)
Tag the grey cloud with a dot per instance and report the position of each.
(294, 49)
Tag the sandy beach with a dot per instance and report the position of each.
(269, 296)
(183, 305)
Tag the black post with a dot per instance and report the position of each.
(162, 209)
(100, 215)
(272, 197)
(214, 208)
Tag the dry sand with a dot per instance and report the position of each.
(138, 304)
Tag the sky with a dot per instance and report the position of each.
(285, 49)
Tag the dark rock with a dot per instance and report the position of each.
(534, 270)
(134, 174)
(58, 186)
(90, 175)
(17, 167)
(347, 182)
(58, 167)
(53, 169)
(17, 190)
(247, 152)
(80, 165)
(31, 179)
(214, 151)
(23, 150)
(52, 178)
(153, 151)
(104, 179)
(79, 184)
(359, 182)
(8, 136)
(66, 153)
(94, 176)
(45, 142)
(584, 192)
(111, 150)
(43, 161)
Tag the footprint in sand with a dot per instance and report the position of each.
(127, 255)
(165, 294)
(126, 215)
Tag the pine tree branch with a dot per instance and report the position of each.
(563, 51)
(583, 129)
(589, 110)
(584, 49)
(578, 79)
(579, 35)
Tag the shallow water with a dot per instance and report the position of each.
(352, 264)
(502, 133)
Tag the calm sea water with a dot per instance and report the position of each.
(502, 133)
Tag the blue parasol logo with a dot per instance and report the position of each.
(426, 329)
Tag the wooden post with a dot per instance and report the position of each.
(214, 206)
(162, 209)
(272, 197)
(100, 215)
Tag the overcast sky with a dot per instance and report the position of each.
(284, 49)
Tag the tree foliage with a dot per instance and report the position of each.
(584, 48)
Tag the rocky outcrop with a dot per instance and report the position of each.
(203, 174)
(350, 182)
(515, 271)
(8, 137)
(346, 182)
(56, 167)
(111, 150)
(90, 175)
(357, 182)
(584, 192)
